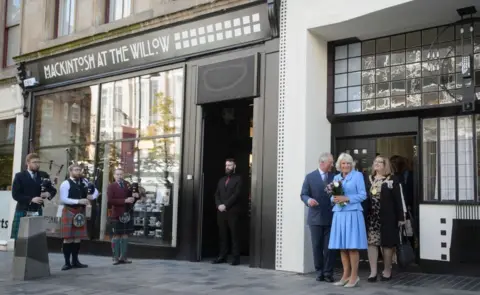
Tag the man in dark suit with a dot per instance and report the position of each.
(227, 200)
(27, 191)
(320, 216)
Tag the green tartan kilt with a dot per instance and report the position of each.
(16, 221)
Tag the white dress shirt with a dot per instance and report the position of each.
(65, 187)
(323, 174)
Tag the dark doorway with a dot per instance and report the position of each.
(227, 133)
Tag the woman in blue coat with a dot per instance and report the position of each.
(348, 233)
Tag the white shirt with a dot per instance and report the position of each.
(323, 174)
(65, 187)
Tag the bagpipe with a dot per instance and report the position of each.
(47, 184)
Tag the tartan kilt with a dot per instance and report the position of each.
(16, 221)
(67, 229)
(119, 228)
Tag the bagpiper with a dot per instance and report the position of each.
(30, 189)
(75, 193)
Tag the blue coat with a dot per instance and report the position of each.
(353, 188)
(314, 187)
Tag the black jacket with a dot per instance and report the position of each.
(229, 195)
(24, 189)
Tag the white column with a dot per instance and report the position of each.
(304, 133)
(17, 162)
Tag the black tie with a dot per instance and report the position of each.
(121, 184)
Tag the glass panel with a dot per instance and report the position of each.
(476, 61)
(354, 106)
(161, 106)
(13, 12)
(398, 58)
(431, 68)
(429, 36)
(341, 52)
(447, 82)
(414, 100)
(383, 89)
(465, 162)
(383, 103)
(368, 105)
(398, 42)
(354, 49)
(120, 9)
(13, 44)
(414, 39)
(398, 101)
(66, 17)
(414, 55)
(414, 70)
(354, 93)
(340, 80)
(430, 98)
(60, 158)
(368, 47)
(368, 77)
(383, 75)
(368, 62)
(446, 97)
(430, 53)
(383, 45)
(340, 108)
(446, 50)
(477, 131)
(354, 64)
(67, 117)
(447, 158)
(414, 86)
(7, 146)
(398, 73)
(383, 60)
(340, 94)
(119, 110)
(341, 66)
(430, 84)
(430, 162)
(354, 78)
(446, 34)
(467, 46)
(398, 88)
(368, 91)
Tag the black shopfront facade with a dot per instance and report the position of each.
(141, 103)
(406, 95)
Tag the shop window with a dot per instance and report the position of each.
(66, 117)
(448, 158)
(66, 10)
(7, 140)
(119, 9)
(402, 71)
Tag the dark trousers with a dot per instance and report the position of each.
(323, 258)
(228, 222)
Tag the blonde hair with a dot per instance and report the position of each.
(344, 157)
(386, 164)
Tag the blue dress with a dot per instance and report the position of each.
(348, 225)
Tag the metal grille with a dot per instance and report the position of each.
(281, 113)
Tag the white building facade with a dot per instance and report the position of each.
(357, 76)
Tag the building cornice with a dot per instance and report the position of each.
(153, 23)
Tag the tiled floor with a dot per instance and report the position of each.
(149, 277)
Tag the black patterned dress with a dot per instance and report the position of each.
(373, 219)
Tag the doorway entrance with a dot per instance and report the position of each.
(403, 147)
(227, 133)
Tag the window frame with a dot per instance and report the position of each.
(476, 198)
(109, 11)
(6, 34)
(59, 20)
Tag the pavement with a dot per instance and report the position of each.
(150, 277)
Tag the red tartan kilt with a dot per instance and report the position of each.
(67, 229)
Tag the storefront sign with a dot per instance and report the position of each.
(213, 33)
(5, 226)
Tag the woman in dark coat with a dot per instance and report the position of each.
(384, 217)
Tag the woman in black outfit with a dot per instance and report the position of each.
(384, 217)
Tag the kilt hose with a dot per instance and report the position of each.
(67, 229)
(16, 221)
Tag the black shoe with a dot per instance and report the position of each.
(219, 260)
(66, 267)
(385, 279)
(125, 261)
(329, 279)
(320, 278)
(372, 279)
(236, 261)
(79, 265)
(117, 262)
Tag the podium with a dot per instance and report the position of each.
(30, 259)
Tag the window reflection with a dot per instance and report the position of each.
(429, 150)
(66, 117)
